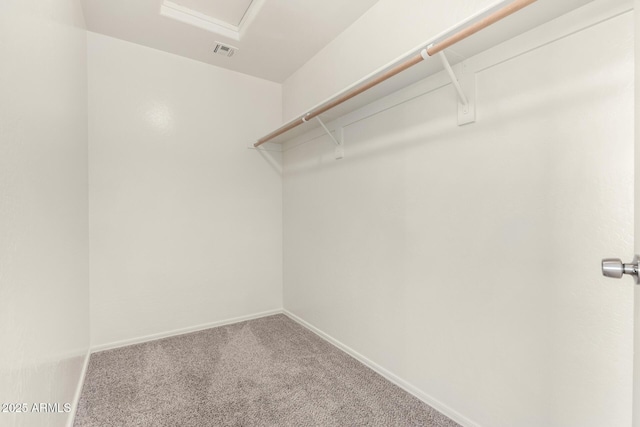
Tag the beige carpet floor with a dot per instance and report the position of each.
(265, 372)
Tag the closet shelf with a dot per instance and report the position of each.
(470, 37)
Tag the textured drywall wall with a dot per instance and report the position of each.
(185, 221)
(44, 266)
(636, 341)
(466, 260)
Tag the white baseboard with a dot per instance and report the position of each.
(76, 396)
(411, 389)
(175, 332)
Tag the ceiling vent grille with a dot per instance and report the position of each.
(224, 49)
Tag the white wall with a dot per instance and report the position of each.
(636, 305)
(386, 31)
(44, 267)
(185, 221)
(465, 260)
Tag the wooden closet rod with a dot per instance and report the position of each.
(430, 51)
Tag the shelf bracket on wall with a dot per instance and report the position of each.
(466, 104)
(339, 151)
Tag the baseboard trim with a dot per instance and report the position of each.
(408, 387)
(78, 393)
(182, 331)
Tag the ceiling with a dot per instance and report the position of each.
(273, 37)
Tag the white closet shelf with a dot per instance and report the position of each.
(413, 68)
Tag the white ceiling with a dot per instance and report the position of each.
(281, 37)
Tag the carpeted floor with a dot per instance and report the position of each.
(265, 372)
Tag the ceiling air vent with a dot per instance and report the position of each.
(224, 49)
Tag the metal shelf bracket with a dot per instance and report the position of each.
(466, 104)
(339, 151)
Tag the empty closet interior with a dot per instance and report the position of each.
(270, 212)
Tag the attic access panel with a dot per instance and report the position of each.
(229, 11)
(228, 18)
